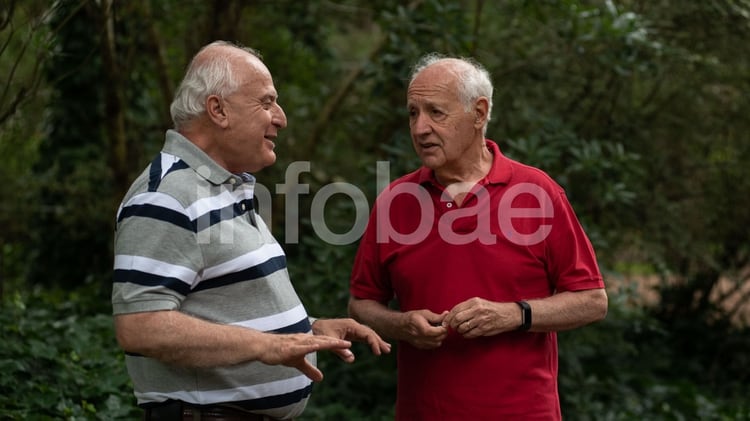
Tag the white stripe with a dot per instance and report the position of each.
(275, 321)
(207, 204)
(155, 267)
(156, 199)
(200, 207)
(219, 201)
(263, 390)
(247, 260)
(167, 160)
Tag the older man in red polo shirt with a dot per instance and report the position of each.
(485, 258)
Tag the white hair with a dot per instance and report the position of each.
(473, 80)
(204, 78)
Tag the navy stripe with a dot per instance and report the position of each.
(159, 213)
(266, 268)
(202, 222)
(179, 165)
(226, 213)
(215, 216)
(276, 401)
(302, 326)
(149, 279)
(154, 172)
(269, 402)
(249, 209)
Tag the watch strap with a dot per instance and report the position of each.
(525, 316)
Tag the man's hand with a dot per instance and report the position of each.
(477, 317)
(290, 350)
(423, 328)
(350, 330)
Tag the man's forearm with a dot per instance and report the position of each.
(568, 310)
(379, 317)
(176, 338)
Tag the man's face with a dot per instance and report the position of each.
(441, 129)
(254, 119)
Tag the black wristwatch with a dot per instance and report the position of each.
(525, 316)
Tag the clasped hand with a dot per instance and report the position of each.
(472, 318)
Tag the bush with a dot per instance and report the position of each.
(633, 365)
(58, 362)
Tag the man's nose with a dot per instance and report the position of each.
(279, 118)
(420, 124)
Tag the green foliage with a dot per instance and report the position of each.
(636, 108)
(58, 362)
(633, 366)
(598, 177)
(364, 389)
(73, 177)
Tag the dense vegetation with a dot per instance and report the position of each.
(638, 108)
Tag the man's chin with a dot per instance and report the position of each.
(270, 159)
(431, 162)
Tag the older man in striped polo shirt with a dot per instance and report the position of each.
(204, 307)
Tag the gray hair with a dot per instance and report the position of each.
(203, 78)
(473, 79)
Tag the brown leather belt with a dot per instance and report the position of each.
(180, 411)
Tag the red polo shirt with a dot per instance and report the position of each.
(514, 237)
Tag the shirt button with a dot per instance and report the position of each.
(243, 206)
(232, 181)
(449, 204)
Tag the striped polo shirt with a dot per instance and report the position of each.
(187, 238)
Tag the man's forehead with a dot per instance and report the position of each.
(259, 90)
(431, 92)
(257, 77)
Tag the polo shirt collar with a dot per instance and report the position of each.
(178, 145)
(500, 172)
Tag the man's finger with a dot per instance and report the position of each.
(321, 342)
(344, 354)
(378, 345)
(310, 370)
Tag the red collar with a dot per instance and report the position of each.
(500, 173)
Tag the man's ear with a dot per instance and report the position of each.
(216, 110)
(481, 107)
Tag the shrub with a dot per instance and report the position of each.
(57, 362)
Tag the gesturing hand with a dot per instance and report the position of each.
(290, 350)
(351, 330)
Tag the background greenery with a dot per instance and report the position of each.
(639, 108)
